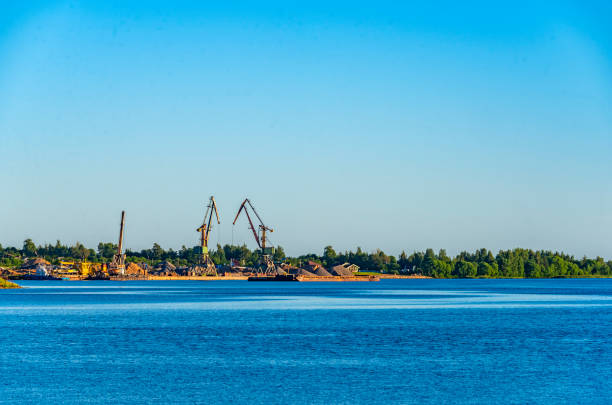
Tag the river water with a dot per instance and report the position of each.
(395, 341)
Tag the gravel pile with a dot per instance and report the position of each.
(341, 271)
(133, 268)
(321, 272)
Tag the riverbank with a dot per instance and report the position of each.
(391, 276)
(7, 284)
(200, 278)
(400, 276)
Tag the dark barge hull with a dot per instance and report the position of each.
(288, 277)
(34, 277)
(292, 277)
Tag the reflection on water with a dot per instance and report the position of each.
(240, 295)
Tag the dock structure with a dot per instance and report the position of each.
(291, 277)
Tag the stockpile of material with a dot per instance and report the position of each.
(165, 268)
(341, 271)
(134, 269)
(280, 271)
(196, 270)
(321, 272)
(300, 272)
(31, 264)
(287, 268)
(230, 272)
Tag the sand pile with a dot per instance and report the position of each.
(166, 267)
(300, 272)
(321, 272)
(133, 268)
(341, 271)
(32, 263)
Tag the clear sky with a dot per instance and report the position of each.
(384, 124)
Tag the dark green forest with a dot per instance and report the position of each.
(515, 263)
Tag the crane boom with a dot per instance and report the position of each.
(117, 264)
(215, 207)
(267, 265)
(254, 210)
(243, 207)
(120, 246)
(206, 225)
(261, 242)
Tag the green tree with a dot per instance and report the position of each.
(329, 256)
(428, 266)
(403, 260)
(442, 269)
(443, 256)
(29, 248)
(484, 269)
(465, 269)
(106, 250)
(329, 253)
(393, 266)
(532, 269)
(218, 256)
(78, 251)
(157, 252)
(279, 254)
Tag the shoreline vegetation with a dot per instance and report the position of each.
(482, 263)
(7, 284)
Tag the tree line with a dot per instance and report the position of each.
(515, 263)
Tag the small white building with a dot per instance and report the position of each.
(41, 270)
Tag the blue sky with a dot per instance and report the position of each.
(378, 125)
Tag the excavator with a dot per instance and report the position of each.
(266, 263)
(207, 266)
(98, 271)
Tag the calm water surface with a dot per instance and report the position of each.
(396, 341)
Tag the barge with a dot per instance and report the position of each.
(292, 277)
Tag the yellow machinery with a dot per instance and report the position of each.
(84, 269)
(97, 271)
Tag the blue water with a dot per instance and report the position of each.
(396, 341)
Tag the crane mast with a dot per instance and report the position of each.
(266, 263)
(117, 265)
(120, 245)
(207, 266)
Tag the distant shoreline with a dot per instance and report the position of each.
(481, 263)
(322, 279)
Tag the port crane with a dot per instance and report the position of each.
(117, 265)
(266, 264)
(206, 263)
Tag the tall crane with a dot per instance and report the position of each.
(206, 261)
(117, 265)
(267, 265)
